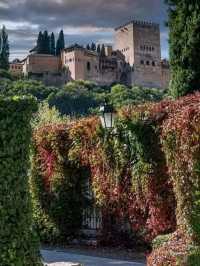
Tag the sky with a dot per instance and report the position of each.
(83, 21)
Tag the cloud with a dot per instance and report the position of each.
(80, 19)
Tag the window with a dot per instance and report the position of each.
(147, 63)
(153, 63)
(88, 66)
(142, 62)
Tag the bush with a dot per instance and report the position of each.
(122, 96)
(31, 88)
(181, 144)
(18, 242)
(46, 116)
(58, 186)
(4, 74)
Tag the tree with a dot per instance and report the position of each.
(4, 49)
(40, 47)
(93, 47)
(52, 44)
(121, 95)
(103, 51)
(60, 45)
(46, 42)
(46, 116)
(98, 49)
(184, 41)
(88, 47)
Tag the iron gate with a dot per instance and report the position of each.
(92, 219)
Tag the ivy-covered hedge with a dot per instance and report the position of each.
(58, 186)
(180, 136)
(145, 174)
(18, 242)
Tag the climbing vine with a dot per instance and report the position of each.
(144, 173)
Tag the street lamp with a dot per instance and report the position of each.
(107, 116)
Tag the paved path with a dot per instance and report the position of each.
(56, 258)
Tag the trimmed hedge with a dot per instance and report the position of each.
(18, 242)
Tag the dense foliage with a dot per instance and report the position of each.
(46, 116)
(4, 74)
(4, 49)
(184, 40)
(18, 243)
(58, 186)
(27, 88)
(140, 174)
(181, 145)
(80, 98)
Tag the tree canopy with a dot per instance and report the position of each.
(46, 43)
(80, 98)
(60, 45)
(4, 49)
(184, 41)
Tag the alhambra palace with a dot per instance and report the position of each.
(134, 60)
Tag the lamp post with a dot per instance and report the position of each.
(107, 116)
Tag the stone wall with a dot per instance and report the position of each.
(41, 63)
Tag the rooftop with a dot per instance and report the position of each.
(76, 46)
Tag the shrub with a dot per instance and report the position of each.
(180, 138)
(46, 116)
(57, 186)
(4, 74)
(18, 242)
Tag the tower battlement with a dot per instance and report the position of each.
(141, 23)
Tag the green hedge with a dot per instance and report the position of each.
(18, 243)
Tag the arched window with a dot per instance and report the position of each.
(142, 62)
(147, 63)
(153, 63)
(88, 66)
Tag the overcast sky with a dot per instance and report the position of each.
(83, 21)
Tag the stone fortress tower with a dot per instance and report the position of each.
(139, 42)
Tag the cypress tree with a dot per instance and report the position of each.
(60, 45)
(46, 42)
(184, 41)
(40, 47)
(103, 52)
(98, 49)
(4, 49)
(88, 47)
(93, 47)
(52, 44)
